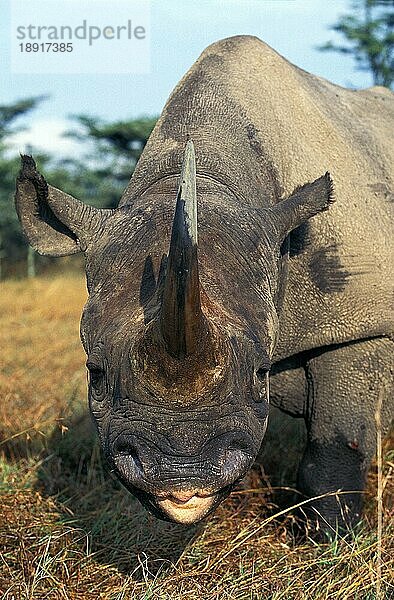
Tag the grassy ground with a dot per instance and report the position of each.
(68, 531)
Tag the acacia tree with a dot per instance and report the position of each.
(116, 147)
(369, 35)
(98, 178)
(12, 243)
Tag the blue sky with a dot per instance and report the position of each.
(180, 30)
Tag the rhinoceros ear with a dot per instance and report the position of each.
(54, 223)
(305, 202)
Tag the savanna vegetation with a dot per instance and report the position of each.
(367, 35)
(69, 531)
(97, 176)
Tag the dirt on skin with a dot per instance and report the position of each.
(69, 531)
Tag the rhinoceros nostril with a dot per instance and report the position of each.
(234, 463)
(128, 461)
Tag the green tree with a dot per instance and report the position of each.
(98, 178)
(116, 148)
(12, 243)
(369, 35)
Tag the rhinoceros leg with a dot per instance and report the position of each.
(288, 387)
(344, 384)
(284, 441)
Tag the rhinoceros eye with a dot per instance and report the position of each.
(96, 378)
(263, 367)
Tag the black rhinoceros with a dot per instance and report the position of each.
(183, 338)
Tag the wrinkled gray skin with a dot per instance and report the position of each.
(314, 306)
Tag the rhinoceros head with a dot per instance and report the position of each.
(178, 386)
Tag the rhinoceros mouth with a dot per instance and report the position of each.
(190, 511)
(187, 507)
(168, 507)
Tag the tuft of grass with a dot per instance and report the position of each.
(69, 531)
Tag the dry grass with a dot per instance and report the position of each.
(42, 359)
(68, 531)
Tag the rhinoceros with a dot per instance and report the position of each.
(190, 321)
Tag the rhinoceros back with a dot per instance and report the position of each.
(263, 127)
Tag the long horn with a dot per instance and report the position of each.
(181, 317)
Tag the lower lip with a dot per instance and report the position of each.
(187, 512)
(190, 504)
